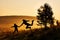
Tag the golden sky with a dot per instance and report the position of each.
(27, 7)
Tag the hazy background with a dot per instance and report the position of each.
(27, 7)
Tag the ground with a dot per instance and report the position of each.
(34, 34)
(51, 33)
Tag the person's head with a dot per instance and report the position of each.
(14, 24)
(24, 20)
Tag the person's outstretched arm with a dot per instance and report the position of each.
(12, 26)
(21, 24)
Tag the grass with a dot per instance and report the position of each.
(33, 34)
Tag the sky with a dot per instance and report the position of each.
(27, 7)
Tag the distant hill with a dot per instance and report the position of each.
(6, 19)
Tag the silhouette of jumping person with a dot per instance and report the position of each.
(26, 23)
(15, 27)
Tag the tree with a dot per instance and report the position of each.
(45, 15)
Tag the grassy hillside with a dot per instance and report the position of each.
(35, 34)
(6, 22)
(52, 33)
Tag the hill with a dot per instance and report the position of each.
(34, 34)
(6, 32)
(6, 22)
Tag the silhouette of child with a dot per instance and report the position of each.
(26, 23)
(16, 29)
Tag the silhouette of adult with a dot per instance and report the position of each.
(26, 23)
(15, 27)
